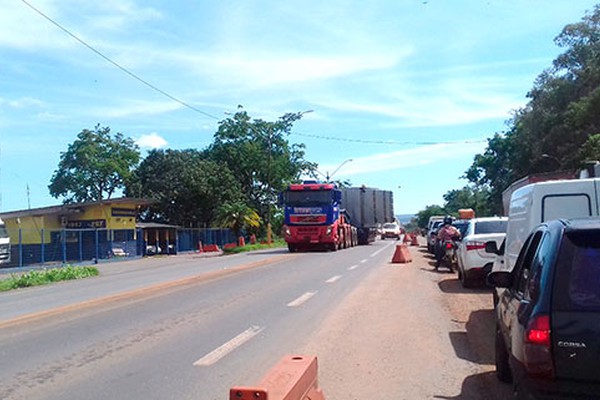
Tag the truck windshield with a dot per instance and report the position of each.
(3, 232)
(308, 198)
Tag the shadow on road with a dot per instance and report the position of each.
(481, 386)
(454, 286)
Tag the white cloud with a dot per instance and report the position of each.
(395, 160)
(151, 141)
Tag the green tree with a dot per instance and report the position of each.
(238, 217)
(187, 188)
(423, 216)
(260, 156)
(94, 166)
(468, 197)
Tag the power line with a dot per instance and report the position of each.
(385, 142)
(125, 70)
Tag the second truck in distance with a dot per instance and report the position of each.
(323, 216)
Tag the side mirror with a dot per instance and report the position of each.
(499, 279)
(491, 247)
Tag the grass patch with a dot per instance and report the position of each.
(46, 276)
(258, 246)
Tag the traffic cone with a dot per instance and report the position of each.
(401, 255)
(241, 241)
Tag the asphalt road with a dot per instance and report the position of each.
(187, 327)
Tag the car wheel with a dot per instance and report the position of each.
(466, 281)
(502, 365)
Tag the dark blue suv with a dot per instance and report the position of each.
(548, 319)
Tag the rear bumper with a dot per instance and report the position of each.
(543, 388)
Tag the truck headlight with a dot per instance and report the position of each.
(287, 231)
(329, 230)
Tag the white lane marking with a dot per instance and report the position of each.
(333, 279)
(301, 300)
(382, 249)
(353, 267)
(364, 261)
(228, 347)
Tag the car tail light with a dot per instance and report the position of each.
(538, 330)
(475, 246)
(537, 349)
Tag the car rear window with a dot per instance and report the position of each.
(462, 227)
(483, 227)
(578, 272)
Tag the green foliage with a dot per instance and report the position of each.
(423, 216)
(94, 166)
(260, 157)
(258, 246)
(187, 187)
(468, 197)
(237, 216)
(46, 276)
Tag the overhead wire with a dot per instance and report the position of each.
(123, 69)
(386, 142)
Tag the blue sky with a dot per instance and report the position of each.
(409, 90)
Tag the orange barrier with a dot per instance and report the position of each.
(252, 239)
(293, 378)
(241, 241)
(413, 239)
(210, 247)
(229, 246)
(402, 254)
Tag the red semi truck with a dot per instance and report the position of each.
(320, 215)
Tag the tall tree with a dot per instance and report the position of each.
(549, 133)
(238, 217)
(260, 156)
(475, 198)
(186, 187)
(94, 166)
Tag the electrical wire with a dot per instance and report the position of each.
(125, 70)
(385, 142)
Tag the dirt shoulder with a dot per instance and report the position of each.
(409, 332)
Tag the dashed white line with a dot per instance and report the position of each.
(333, 279)
(364, 261)
(353, 267)
(382, 249)
(301, 300)
(228, 347)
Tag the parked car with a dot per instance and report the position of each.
(432, 234)
(473, 262)
(391, 230)
(548, 316)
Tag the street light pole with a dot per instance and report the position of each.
(328, 177)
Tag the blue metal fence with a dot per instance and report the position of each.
(96, 245)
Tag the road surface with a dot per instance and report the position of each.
(188, 327)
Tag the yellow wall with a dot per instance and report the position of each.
(32, 226)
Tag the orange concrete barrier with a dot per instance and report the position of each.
(210, 247)
(241, 241)
(402, 254)
(293, 378)
(229, 246)
(252, 239)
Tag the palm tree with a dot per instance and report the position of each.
(237, 216)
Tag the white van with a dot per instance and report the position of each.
(538, 202)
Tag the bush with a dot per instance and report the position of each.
(46, 276)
